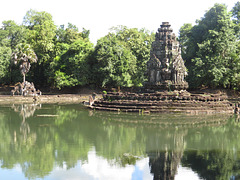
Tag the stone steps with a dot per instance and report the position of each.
(188, 111)
(157, 108)
(168, 109)
(164, 97)
(134, 102)
(164, 103)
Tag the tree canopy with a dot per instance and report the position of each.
(121, 57)
(67, 58)
(24, 55)
(211, 49)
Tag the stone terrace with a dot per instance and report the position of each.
(165, 102)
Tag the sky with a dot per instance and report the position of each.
(100, 15)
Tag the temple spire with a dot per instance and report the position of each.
(166, 66)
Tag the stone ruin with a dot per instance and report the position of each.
(25, 89)
(165, 91)
(166, 69)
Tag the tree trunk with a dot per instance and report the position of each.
(23, 77)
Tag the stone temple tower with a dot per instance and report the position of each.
(166, 67)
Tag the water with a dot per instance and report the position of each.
(59, 142)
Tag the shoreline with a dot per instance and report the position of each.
(197, 106)
(46, 99)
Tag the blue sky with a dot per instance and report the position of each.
(100, 15)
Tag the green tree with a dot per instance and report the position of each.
(187, 43)
(211, 49)
(41, 32)
(122, 55)
(24, 55)
(12, 34)
(236, 13)
(115, 64)
(71, 68)
(70, 34)
(72, 50)
(5, 59)
(139, 43)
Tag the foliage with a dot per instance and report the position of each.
(41, 32)
(5, 57)
(115, 63)
(70, 34)
(71, 67)
(187, 42)
(11, 34)
(121, 57)
(65, 55)
(24, 55)
(139, 42)
(67, 58)
(211, 50)
(236, 12)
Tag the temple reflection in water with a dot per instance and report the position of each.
(40, 139)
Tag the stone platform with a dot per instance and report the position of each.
(164, 102)
(166, 71)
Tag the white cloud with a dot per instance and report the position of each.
(100, 169)
(186, 174)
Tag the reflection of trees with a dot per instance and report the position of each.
(64, 136)
(65, 139)
(25, 111)
(217, 155)
(117, 143)
(213, 164)
(70, 144)
(166, 140)
(58, 141)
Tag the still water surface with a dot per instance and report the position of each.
(58, 142)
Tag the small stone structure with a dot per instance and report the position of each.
(166, 69)
(25, 89)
